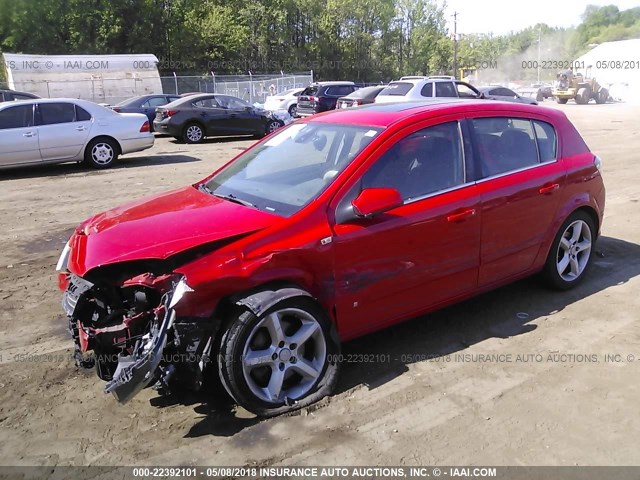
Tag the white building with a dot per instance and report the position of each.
(615, 65)
(99, 78)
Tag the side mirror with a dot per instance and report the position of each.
(481, 95)
(372, 201)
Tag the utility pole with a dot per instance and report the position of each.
(539, 41)
(455, 44)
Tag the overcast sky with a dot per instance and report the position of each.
(501, 16)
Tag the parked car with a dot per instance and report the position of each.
(504, 94)
(65, 130)
(412, 88)
(287, 100)
(334, 227)
(145, 104)
(195, 117)
(13, 95)
(544, 90)
(322, 97)
(362, 96)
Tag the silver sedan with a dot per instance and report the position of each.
(67, 130)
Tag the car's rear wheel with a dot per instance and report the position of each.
(101, 153)
(561, 101)
(281, 360)
(571, 252)
(193, 133)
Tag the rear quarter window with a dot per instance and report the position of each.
(547, 140)
(427, 90)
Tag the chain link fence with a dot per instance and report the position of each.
(252, 88)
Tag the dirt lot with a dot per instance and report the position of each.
(567, 406)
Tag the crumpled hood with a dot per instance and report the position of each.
(159, 227)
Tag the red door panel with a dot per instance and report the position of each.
(515, 209)
(401, 263)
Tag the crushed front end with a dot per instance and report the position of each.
(124, 325)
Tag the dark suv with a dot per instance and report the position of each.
(12, 95)
(322, 97)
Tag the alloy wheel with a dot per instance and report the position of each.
(284, 355)
(574, 250)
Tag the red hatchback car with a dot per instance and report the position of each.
(326, 230)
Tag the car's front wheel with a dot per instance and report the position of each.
(280, 360)
(571, 252)
(101, 153)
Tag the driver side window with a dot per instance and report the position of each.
(420, 164)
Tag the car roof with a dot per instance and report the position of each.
(385, 114)
(420, 80)
(92, 107)
(19, 92)
(332, 83)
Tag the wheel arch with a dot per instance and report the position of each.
(564, 214)
(262, 297)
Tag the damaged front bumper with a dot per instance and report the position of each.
(131, 347)
(139, 370)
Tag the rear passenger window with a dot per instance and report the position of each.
(54, 113)
(505, 144)
(546, 138)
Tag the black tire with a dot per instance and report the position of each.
(602, 96)
(272, 126)
(561, 101)
(101, 152)
(193, 133)
(293, 110)
(551, 274)
(583, 96)
(243, 333)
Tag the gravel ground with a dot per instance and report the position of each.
(553, 398)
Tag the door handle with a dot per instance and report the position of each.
(460, 216)
(549, 188)
(29, 134)
(233, 115)
(80, 129)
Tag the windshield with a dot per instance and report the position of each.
(292, 167)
